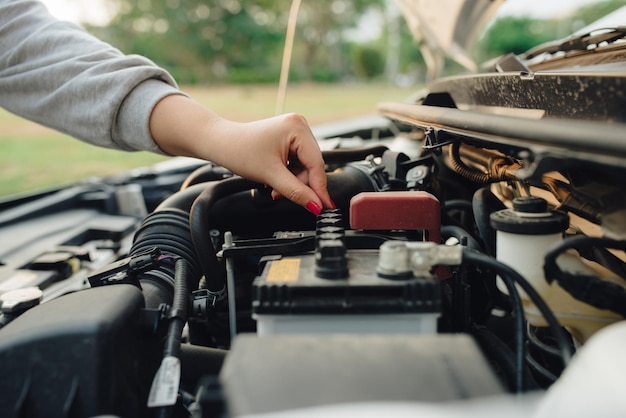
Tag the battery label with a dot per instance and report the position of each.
(285, 270)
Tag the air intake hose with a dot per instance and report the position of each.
(168, 230)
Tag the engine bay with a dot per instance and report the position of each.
(471, 255)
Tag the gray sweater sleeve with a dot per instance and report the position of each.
(56, 74)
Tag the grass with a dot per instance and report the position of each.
(34, 157)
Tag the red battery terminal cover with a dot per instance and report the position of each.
(399, 210)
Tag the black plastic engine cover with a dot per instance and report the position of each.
(74, 356)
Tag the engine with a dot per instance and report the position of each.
(456, 267)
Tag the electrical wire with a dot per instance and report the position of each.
(480, 259)
(500, 169)
(590, 289)
(507, 273)
(179, 310)
(539, 369)
(535, 341)
(178, 318)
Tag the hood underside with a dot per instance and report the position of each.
(447, 28)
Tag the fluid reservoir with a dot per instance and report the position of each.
(524, 235)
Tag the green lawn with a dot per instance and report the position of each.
(33, 157)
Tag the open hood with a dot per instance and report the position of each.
(447, 28)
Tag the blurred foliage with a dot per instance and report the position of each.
(234, 40)
(519, 34)
(241, 41)
(369, 62)
(588, 14)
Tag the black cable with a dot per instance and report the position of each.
(536, 347)
(535, 341)
(178, 312)
(479, 259)
(590, 289)
(507, 273)
(500, 354)
(539, 369)
(177, 320)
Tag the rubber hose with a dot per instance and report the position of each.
(204, 174)
(183, 199)
(199, 223)
(483, 204)
(338, 156)
(509, 277)
(167, 230)
(509, 274)
(500, 353)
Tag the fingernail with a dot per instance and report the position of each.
(314, 208)
(332, 204)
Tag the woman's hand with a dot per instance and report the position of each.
(280, 152)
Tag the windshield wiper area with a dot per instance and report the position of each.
(586, 41)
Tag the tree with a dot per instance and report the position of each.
(196, 40)
(517, 34)
(369, 62)
(589, 14)
(321, 33)
(232, 39)
(512, 34)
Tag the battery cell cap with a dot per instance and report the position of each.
(330, 259)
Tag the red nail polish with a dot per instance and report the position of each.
(314, 208)
(332, 204)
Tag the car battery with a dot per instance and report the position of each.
(336, 290)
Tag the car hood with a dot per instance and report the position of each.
(447, 28)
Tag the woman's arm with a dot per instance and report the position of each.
(280, 151)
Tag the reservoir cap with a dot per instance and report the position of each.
(529, 216)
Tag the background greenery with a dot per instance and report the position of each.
(241, 41)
